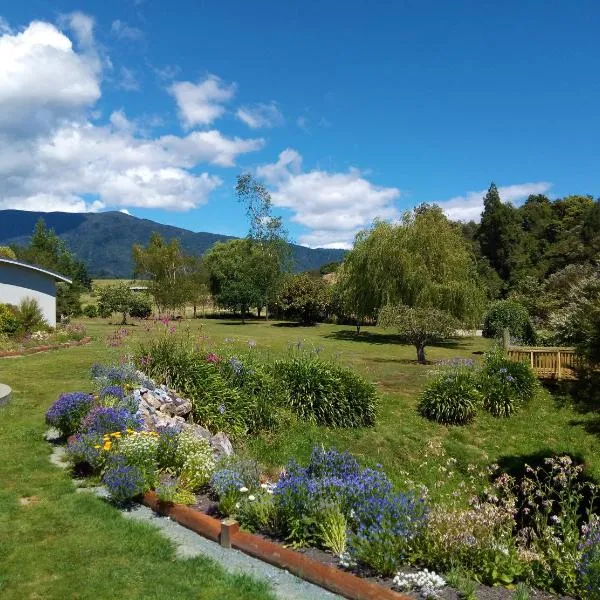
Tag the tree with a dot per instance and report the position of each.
(168, 269)
(501, 235)
(422, 262)
(197, 281)
(418, 326)
(235, 268)
(7, 252)
(305, 297)
(116, 299)
(267, 236)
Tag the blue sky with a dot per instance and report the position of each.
(348, 111)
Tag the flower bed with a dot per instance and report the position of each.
(43, 340)
(24, 351)
(538, 529)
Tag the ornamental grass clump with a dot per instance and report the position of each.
(327, 394)
(505, 385)
(451, 398)
(67, 413)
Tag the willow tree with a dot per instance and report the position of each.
(422, 262)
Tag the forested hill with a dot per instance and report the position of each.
(103, 240)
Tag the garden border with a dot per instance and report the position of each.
(36, 349)
(229, 535)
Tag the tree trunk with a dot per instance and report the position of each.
(124, 321)
(420, 352)
(357, 327)
(194, 310)
(258, 311)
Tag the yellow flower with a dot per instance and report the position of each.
(107, 446)
(97, 446)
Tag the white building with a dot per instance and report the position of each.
(19, 281)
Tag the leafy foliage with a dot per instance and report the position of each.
(513, 316)
(9, 322)
(418, 326)
(452, 398)
(7, 252)
(30, 316)
(327, 394)
(304, 297)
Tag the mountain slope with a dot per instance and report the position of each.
(103, 240)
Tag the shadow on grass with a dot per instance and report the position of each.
(293, 324)
(398, 361)
(384, 338)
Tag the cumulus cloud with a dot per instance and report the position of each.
(43, 78)
(53, 156)
(203, 102)
(260, 115)
(470, 206)
(334, 206)
(123, 31)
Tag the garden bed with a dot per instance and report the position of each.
(311, 564)
(36, 349)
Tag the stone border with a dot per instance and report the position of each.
(5, 394)
(228, 533)
(36, 349)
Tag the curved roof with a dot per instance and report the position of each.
(18, 263)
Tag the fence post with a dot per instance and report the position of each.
(558, 366)
(505, 338)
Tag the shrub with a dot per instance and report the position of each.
(225, 482)
(327, 394)
(123, 375)
(140, 307)
(108, 419)
(114, 391)
(505, 385)
(512, 315)
(247, 469)
(9, 323)
(124, 482)
(257, 512)
(30, 316)
(452, 398)
(90, 310)
(68, 412)
(589, 566)
(166, 451)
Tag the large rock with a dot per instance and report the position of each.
(220, 442)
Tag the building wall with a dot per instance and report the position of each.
(17, 283)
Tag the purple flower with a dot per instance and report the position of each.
(225, 481)
(113, 390)
(236, 365)
(123, 482)
(221, 408)
(68, 411)
(108, 419)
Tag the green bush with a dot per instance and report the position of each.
(195, 458)
(327, 394)
(512, 315)
(9, 323)
(140, 307)
(505, 385)
(30, 316)
(90, 310)
(452, 398)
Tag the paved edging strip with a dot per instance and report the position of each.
(337, 581)
(36, 349)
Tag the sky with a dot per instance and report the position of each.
(348, 111)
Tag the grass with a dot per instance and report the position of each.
(63, 544)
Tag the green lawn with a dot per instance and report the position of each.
(63, 544)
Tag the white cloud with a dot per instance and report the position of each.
(128, 80)
(55, 154)
(43, 79)
(260, 115)
(125, 211)
(202, 103)
(334, 206)
(123, 31)
(470, 206)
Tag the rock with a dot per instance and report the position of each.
(151, 400)
(183, 409)
(198, 431)
(220, 442)
(168, 408)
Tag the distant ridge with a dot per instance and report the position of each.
(103, 240)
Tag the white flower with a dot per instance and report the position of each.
(237, 504)
(269, 491)
(251, 498)
(264, 486)
(243, 489)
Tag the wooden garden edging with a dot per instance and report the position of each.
(229, 535)
(547, 362)
(26, 351)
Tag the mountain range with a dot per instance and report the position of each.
(103, 240)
